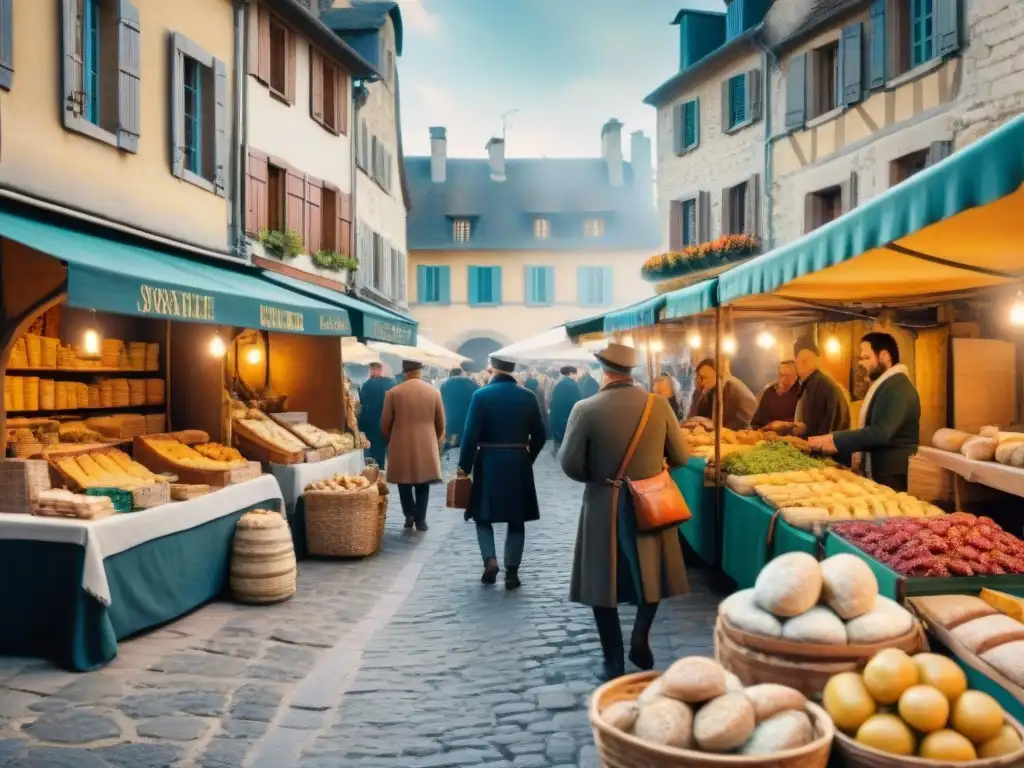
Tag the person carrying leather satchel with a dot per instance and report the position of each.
(627, 548)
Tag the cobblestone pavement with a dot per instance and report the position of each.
(403, 660)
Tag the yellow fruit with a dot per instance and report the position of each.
(889, 674)
(942, 673)
(924, 708)
(1006, 743)
(947, 745)
(886, 733)
(847, 701)
(977, 716)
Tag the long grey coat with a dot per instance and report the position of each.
(596, 438)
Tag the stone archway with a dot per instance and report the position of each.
(479, 348)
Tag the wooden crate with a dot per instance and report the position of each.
(148, 456)
(256, 448)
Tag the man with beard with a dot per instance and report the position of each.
(890, 417)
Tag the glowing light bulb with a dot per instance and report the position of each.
(833, 347)
(91, 342)
(253, 355)
(1017, 312)
(694, 340)
(627, 341)
(655, 346)
(729, 345)
(765, 340)
(217, 347)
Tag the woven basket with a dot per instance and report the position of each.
(622, 750)
(343, 523)
(21, 481)
(262, 559)
(383, 520)
(27, 449)
(857, 755)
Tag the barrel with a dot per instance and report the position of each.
(262, 559)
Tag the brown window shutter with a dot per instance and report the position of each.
(342, 101)
(329, 219)
(295, 203)
(675, 225)
(314, 220)
(752, 220)
(256, 193)
(262, 52)
(316, 85)
(726, 213)
(289, 66)
(344, 203)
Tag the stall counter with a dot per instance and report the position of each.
(73, 588)
(745, 527)
(293, 479)
(700, 530)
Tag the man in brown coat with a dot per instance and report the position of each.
(647, 567)
(413, 425)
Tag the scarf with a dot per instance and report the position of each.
(865, 408)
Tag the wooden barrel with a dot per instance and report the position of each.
(262, 559)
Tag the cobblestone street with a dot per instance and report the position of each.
(403, 659)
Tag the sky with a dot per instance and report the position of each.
(564, 67)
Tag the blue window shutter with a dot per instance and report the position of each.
(129, 66)
(549, 285)
(851, 64)
(608, 287)
(678, 128)
(474, 285)
(6, 44)
(529, 289)
(878, 53)
(496, 285)
(796, 93)
(947, 27)
(421, 284)
(444, 279)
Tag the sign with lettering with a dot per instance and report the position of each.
(277, 319)
(392, 332)
(337, 323)
(168, 302)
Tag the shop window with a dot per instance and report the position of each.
(199, 116)
(484, 285)
(594, 286)
(826, 79)
(462, 230)
(277, 179)
(540, 286)
(542, 228)
(593, 228)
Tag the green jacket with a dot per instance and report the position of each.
(823, 406)
(893, 429)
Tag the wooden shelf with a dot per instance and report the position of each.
(102, 409)
(83, 372)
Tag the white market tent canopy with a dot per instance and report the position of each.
(425, 351)
(550, 346)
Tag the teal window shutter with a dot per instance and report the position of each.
(91, 59)
(796, 92)
(947, 27)
(444, 285)
(877, 53)
(607, 286)
(851, 66)
(474, 285)
(737, 100)
(582, 286)
(496, 285)
(922, 32)
(690, 123)
(540, 283)
(422, 290)
(549, 284)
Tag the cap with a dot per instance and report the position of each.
(567, 370)
(412, 365)
(503, 365)
(618, 358)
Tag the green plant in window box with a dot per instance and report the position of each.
(335, 261)
(286, 245)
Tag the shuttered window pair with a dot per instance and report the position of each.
(540, 286)
(200, 143)
(741, 208)
(272, 54)
(101, 50)
(328, 93)
(686, 126)
(594, 286)
(484, 286)
(433, 284)
(689, 220)
(741, 100)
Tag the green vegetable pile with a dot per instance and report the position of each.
(777, 456)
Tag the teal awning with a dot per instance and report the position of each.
(691, 300)
(113, 276)
(954, 227)
(368, 320)
(638, 315)
(585, 326)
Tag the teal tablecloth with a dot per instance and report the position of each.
(48, 614)
(700, 531)
(745, 535)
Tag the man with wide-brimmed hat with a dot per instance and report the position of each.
(413, 425)
(371, 406)
(614, 562)
(504, 435)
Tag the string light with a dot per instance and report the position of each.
(217, 347)
(92, 339)
(694, 340)
(253, 355)
(729, 346)
(833, 347)
(765, 340)
(1017, 311)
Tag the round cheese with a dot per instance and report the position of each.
(848, 586)
(788, 585)
(818, 625)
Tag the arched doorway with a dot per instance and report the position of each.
(479, 349)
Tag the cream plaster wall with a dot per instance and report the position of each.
(41, 157)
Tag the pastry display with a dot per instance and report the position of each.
(700, 435)
(319, 438)
(340, 483)
(270, 431)
(219, 452)
(187, 456)
(106, 468)
(61, 503)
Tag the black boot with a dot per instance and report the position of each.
(640, 652)
(421, 525)
(512, 579)
(490, 572)
(409, 521)
(610, 633)
(614, 664)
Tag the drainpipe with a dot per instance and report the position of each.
(360, 94)
(239, 243)
(770, 61)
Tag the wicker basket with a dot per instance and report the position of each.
(21, 481)
(343, 523)
(383, 521)
(26, 449)
(621, 750)
(857, 755)
(262, 559)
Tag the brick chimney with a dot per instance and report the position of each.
(611, 150)
(438, 154)
(496, 151)
(640, 159)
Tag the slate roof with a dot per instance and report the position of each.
(565, 191)
(365, 16)
(822, 13)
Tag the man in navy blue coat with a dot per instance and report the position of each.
(371, 407)
(504, 435)
(588, 385)
(563, 397)
(456, 392)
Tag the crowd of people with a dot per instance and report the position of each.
(607, 430)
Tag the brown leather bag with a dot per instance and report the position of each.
(657, 502)
(458, 493)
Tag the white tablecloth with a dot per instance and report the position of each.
(998, 476)
(119, 533)
(295, 477)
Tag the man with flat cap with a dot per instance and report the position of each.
(563, 397)
(615, 563)
(371, 406)
(413, 425)
(503, 437)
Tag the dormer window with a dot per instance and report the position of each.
(593, 228)
(542, 228)
(462, 230)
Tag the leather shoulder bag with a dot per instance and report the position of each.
(657, 502)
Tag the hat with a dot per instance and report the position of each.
(618, 358)
(567, 370)
(503, 365)
(412, 365)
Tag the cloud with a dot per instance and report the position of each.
(416, 17)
